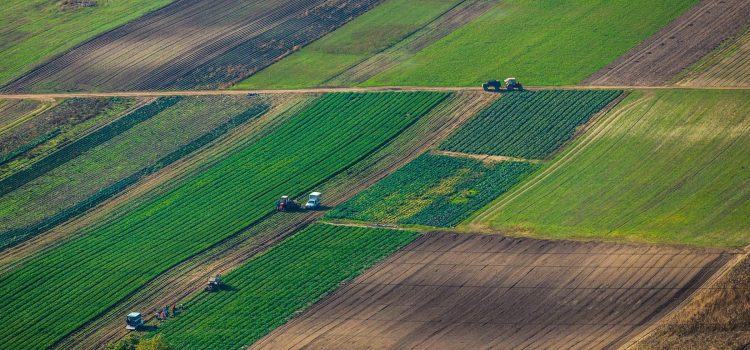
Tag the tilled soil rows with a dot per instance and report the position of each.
(466, 291)
(192, 43)
(683, 42)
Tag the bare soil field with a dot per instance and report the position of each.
(192, 43)
(718, 315)
(729, 65)
(467, 291)
(189, 277)
(683, 42)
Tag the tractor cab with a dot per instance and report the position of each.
(133, 321)
(286, 204)
(214, 284)
(313, 201)
(513, 84)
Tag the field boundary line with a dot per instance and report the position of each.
(485, 157)
(161, 93)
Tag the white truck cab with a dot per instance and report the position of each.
(313, 201)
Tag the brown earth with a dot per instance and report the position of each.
(683, 42)
(192, 43)
(468, 291)
(716, 317)
(190, 276)
(729, 65)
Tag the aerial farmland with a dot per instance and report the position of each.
(375, 174)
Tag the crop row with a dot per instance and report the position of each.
(83, 144)
(86, 275)
(433, 190)
(40, 135)
(47, 202)
(266, 291)
(529, 124)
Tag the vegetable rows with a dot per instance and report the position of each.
(530, 124)
(265, 292)
(433, 190)
(118, 163)
(84, 276)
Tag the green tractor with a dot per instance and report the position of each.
(495, 85)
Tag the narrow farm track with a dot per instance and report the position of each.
(145, 93)
(190, 276)
(468, 291)
(683, 42)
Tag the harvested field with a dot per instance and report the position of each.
(192, 43)
(453, 291)
(685, 41)
(729, 65)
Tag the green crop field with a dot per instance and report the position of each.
(38, 135)
(173, 129)
(265, 292)
(433, 190)
(543, 42)
(664, 166)
(85, 275)
(361, 38)
(528, 124)
(33, 31)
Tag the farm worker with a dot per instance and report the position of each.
(166, 311)
(174, 310)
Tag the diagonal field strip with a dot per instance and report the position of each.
(467, 291)
(189, 277)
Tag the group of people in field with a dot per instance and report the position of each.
(164, 313)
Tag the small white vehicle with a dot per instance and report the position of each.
(133, 321)
(313, 201)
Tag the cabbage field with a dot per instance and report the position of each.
(110, 260)
(433, 190)
(531, 124)
(265, 292)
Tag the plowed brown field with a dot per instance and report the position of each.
(683, 42)
(192, 43)
(453, 291)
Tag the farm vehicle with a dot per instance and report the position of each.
(133, 321)
(214, 284)
(288, 204)
(510, 84)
